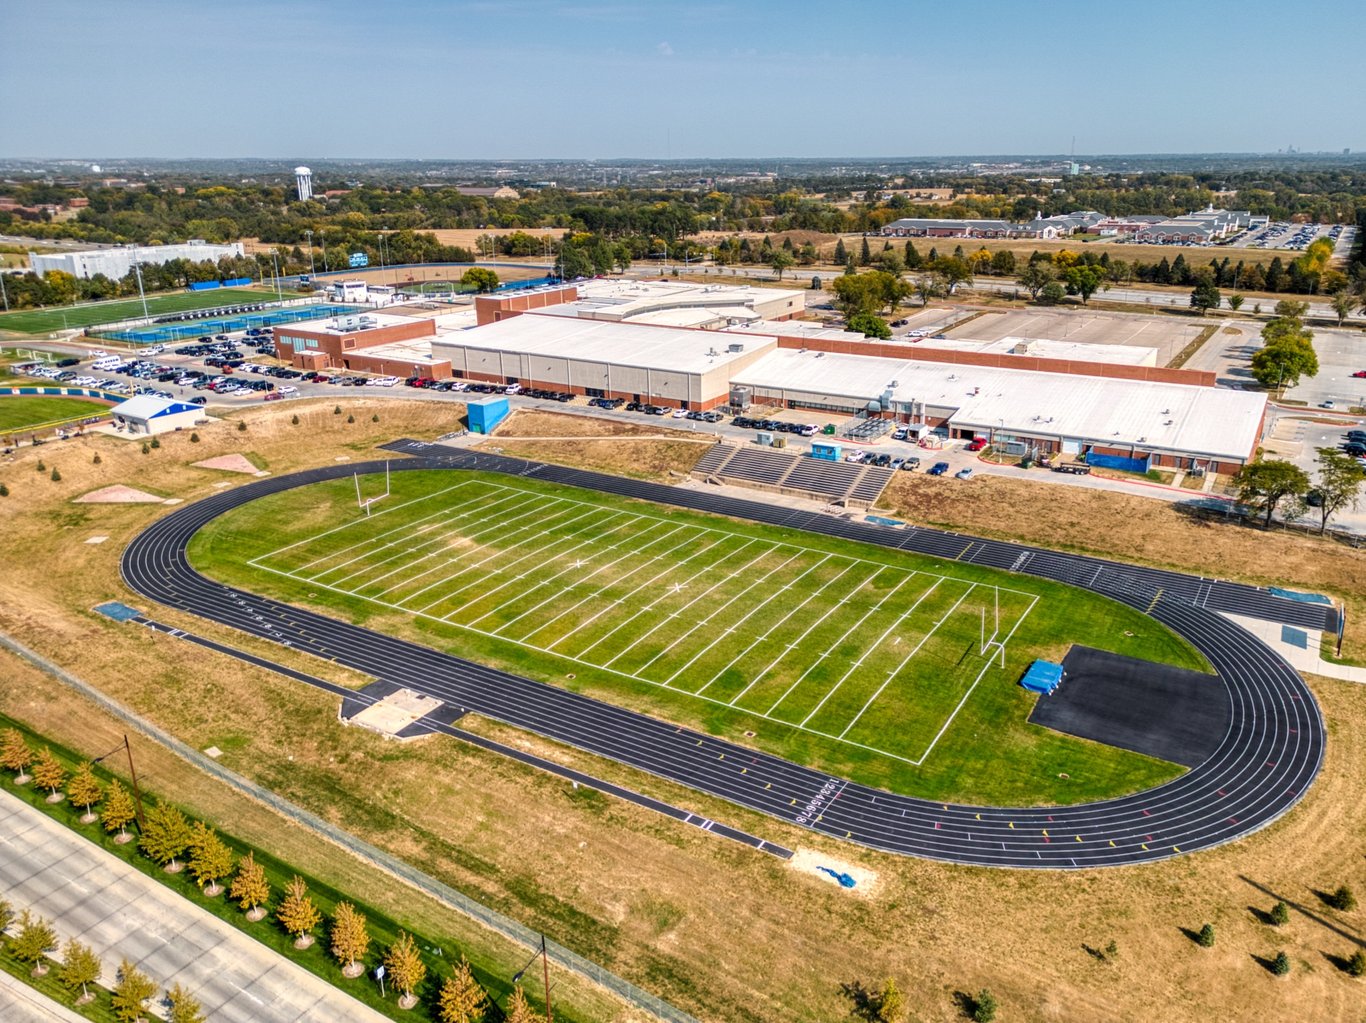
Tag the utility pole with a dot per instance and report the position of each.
(545, 974)
(133, 773)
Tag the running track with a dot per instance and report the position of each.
(1268, 758)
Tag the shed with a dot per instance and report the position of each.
(487, 413)
(146, 414)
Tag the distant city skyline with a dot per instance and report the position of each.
(582, 79)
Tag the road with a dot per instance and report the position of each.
(96, 898)
(1269, 755)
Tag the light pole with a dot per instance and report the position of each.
(141, 294)
(3, 293)
(545, 963)
(275, 262)
(310, 255)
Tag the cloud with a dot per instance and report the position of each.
(665, 50)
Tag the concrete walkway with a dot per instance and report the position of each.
(1286, 641)
(19, 1003)
(91, 895)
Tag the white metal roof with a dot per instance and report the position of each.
(150, 406)
(1050, 348)
(1207, 421)
(795, 328)
(623, 344)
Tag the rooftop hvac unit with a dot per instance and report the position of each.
(885, 400)
(735, 347)
(740, 396)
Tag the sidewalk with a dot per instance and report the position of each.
(19, 1003)
(1298, 646)
(95, 897)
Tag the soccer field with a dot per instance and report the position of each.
(890, 667)
(43, 321)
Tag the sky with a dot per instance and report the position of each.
(673, 79)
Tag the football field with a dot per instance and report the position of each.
(869, 653)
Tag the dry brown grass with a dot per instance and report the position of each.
(730, 934)
(645, 459)
(526, 423)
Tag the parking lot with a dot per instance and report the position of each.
(1296, 237)
(1169, 336)
(1342, 371)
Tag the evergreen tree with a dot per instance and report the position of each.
(35, 939)
(933, 257)
(49, 773)
(133, 988)
(1274, 278)
(1181, 273)
(79, 968)
(912, 257)
(350, 939)
(1356, 965)
(15, 755)
(405, 966)
(1343, 899)
(840, 255)
(519, 1009)
(865, 256)
(250, 889)
(297, 913)
(891, 1005)
(183, 1006)
(462, 1000)
(118, 810)
(166, 836)
(984, 1007)
(84, 790)
(1206, 937)
(1280, 966)
(1280, 914)
(210, 859)
(1163, 273)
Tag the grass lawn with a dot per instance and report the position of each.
(22, 412)
(42, 321)
(860, 661)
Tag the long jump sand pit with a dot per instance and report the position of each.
(228, 463)
(1169, 335)
(817, 864)
(395, 712)
(119, 493)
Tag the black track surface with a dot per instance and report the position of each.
(1165, 712)
(1268, 756)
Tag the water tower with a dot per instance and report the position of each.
(303, 180)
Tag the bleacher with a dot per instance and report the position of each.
(768, 469)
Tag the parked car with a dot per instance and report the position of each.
(910, 464)
(978, 443)
(939, 468)
(964, 473)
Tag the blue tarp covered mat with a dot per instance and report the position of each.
(1295, 637)
(1303, 598)
(118, 612)
(1042, 677)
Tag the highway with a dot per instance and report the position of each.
(1267, 759)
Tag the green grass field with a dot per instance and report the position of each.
(864, 662)
(23, 412)
(43, 321)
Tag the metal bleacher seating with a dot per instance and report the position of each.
(839, 482)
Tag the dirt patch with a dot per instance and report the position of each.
(118, 493)
(228, 463)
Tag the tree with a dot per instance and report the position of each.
(35, 939)
(519, 1009)
(133, 988)
(984, 1007)
(1265, 484)
(350, 939)
(210, 859)
(1343, 302)
(184, 1007)
(865, 256)
(84, 790)
(167, 834)
(1206, 936)
(1280, 966)
(480, 278)
(781, 262)
(927, 287)
(1339, 484)
(1205, 296)
(841, 256)
(49, 774)
(890, 263)
(891, 1006)
(118, 810)
(79, 968)
(1280, 914)
(1235, 301)
(869, 325)
(954, 271)
(15, 755)
(1287, 351)
(250, 889)
(405, 966)
(1356, 965)
(1052, 293)
(1035, 276)
(1291, 309)
(1084, 280)
(297, 913)
(6, 914)
(1343, 899)
(461, 1000)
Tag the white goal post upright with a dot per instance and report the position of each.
(366, 502)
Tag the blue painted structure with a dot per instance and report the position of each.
(487, 413)
(826, 451)
(1042, 677)
(1118, 462)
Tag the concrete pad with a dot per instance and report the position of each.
(1298, 646)
(228, 463)
(97, 539)
(396, 712)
